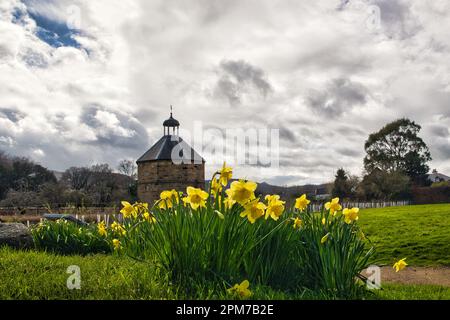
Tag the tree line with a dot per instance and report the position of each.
(25, 183)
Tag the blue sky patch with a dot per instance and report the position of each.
(54, 33)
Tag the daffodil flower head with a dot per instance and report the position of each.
(253, 210)
(117, 244)
(302, 202)
(216, 187)
(400, 265)
(350, 215)
(275, 207)
(101, 228)
(149, 217)
(226, 173)
(196, 197)
(168, 198)
(298, 223)
(241, 290)
(228, 201)
(333, 206)
(128, 210)
(185, 201)
(243, 191)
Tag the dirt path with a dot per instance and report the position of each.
(417, 275)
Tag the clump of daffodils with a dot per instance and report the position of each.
(231, 214)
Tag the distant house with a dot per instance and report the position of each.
(321, 193)
(438, 177)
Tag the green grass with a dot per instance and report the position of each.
(420, 233)
(412, 292)
(40, 275)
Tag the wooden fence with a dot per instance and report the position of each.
(38, 211)
(364, 205)
(33, 215)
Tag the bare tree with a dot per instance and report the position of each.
(77, 178)
(128, 168)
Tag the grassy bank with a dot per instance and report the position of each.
(421, 233)
(39, 275)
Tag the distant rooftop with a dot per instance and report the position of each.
(162, 150)
(438, 177)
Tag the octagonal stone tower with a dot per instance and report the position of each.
(169, 164)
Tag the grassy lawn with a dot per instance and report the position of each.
(38, 275)
(420, 233)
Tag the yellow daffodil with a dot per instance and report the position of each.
(196, 197)
(149, 217)
(333, 206)
(298, 223)
(216, 187)
(243, 191)
(240, 290)
(117, 244)
(117, 227)
(324, 221)
(350, 215)
(141, 207)
(226, 173)
(168, 198)
(301, 203)
(101, 227)
(275, 207)
(228, 201)
(253, 210)
(185, 201)
(400, 265)
(325, 238)
(128, 210)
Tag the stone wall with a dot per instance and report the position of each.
(157, 176)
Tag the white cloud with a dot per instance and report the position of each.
(313, 70)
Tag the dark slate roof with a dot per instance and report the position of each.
(171, 122)
(162, 150)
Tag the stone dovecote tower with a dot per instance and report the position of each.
(169, 164)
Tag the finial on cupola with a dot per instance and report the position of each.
(171, 123)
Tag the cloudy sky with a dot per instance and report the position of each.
(83, 82)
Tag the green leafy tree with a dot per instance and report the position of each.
(397, 148)
(383, 185)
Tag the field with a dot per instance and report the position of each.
(419, 233)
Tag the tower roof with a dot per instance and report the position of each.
(162, 150)
(171, 122)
